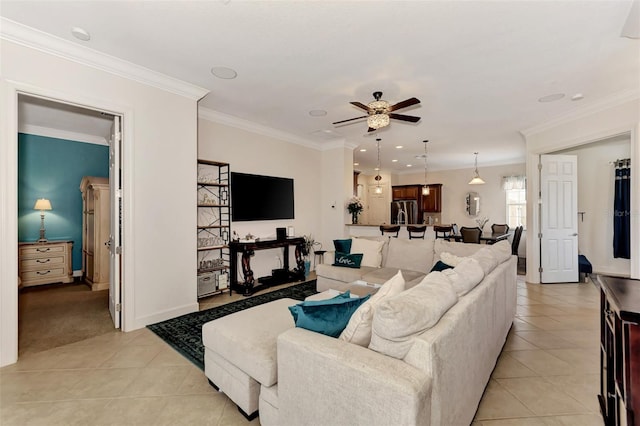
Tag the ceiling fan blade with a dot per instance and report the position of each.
(404, 104)
(403, 117)
(351, 119)
(360, 105)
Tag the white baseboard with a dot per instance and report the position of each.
(161, 316)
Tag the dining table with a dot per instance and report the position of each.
(487, 237)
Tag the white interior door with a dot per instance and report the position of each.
(115, 221)
(559, 218)
(378, 205)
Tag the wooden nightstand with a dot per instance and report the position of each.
(45, 263)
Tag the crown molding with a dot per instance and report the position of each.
(30, 37)
(583, 112)
(250, 126)
(49, 132)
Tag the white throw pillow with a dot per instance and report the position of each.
(358, 330)
(465, 276)
(372, 251)
(450, 259)
(486, 259)
(397, 320)
(501, 250)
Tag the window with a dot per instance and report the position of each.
(516, 207)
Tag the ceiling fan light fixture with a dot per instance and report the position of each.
(377, 121)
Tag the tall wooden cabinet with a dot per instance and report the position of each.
(95, 231)
(214, 227)
(619, 351)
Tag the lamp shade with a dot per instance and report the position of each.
(42, 204)
(477, 180)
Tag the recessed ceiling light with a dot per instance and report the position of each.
(376, 168)
(363, 150)
(394, 161)
(224, 72)
(317, 113)
(409, 165)
(577, 97)
(551, 98)
(356, 164)
(80, 34)
(399, 146)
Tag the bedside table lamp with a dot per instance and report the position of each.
(42, 204)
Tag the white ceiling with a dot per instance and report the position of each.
(478, 67)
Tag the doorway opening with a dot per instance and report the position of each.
(66, 281)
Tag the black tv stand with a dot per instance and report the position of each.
(249, 286)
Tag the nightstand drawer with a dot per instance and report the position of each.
(42, 263)
(47, 274)
(39, 251)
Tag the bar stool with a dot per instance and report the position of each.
(416, 231)
(318, 255)
(390, 230)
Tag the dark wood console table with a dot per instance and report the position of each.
(248, 287)
(619, 351)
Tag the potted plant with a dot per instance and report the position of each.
(355, 207)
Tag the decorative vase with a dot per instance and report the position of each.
(354, 218)
(307, 266)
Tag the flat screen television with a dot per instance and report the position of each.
(257, 197)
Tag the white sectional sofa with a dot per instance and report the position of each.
(433, 347)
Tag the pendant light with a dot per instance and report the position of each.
(477, 180)
(425, 187)
(378, 178)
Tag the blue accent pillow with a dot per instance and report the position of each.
(440, 266)
(343, 246)
(345, 295)
(348, 260)
(327, 318)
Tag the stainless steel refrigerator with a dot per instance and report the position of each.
(404, 212)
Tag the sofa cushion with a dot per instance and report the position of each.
(345, 275)
(414, 255)
(450, 258)
(459, 249)
(347, 260)
(501, 250)
(465, 276)
(343, 246)
(358, 329)
(329, 316)
(382, 275)
(371, 249)
(397, 320)
(486, 259)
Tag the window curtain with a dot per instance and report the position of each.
(622, 210)
(514, 182)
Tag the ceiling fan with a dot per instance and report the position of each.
(379, 112)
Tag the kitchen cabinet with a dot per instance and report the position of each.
(405, 192)
(432, 203)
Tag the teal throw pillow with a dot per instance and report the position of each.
(327, 318)
(347, 260)
(440, 266)
(345, 295)
(343, 246)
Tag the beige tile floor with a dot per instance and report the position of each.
(547, 374)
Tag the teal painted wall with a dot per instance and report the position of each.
(53, 168)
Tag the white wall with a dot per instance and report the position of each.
(159, 172)
(596, 177)
(610, 117)
(318, 183)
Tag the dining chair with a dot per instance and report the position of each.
(392, 230)
(517, 234)
(470, 235)
(498, 228)
(443, 231)
(416, 231)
